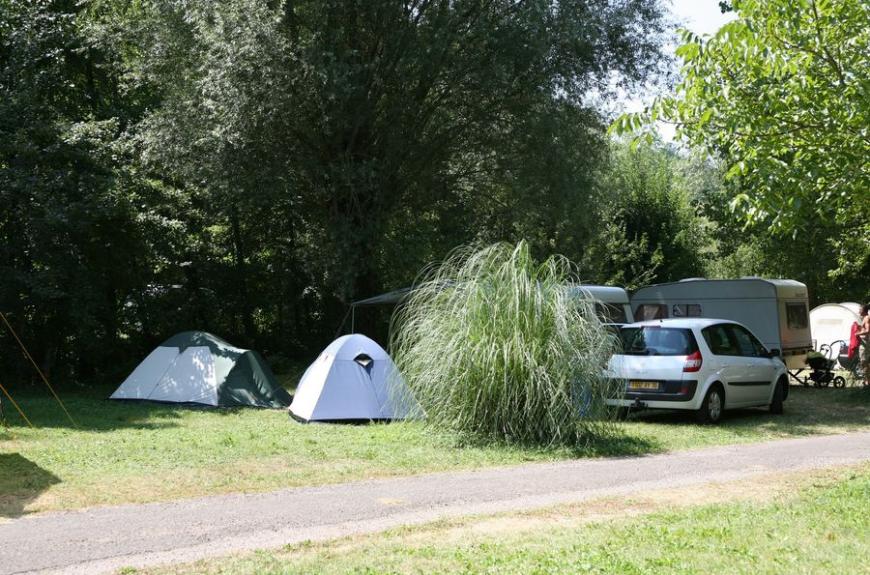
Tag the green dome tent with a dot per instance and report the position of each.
(198, 367)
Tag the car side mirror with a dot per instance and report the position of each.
(774, 353)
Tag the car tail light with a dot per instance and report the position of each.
(693, 362)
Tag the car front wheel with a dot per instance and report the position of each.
(712, 406)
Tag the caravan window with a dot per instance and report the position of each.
(687, 310)
(646, 311)
(610, 313)
(796, 315)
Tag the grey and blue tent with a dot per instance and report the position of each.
(353, 379)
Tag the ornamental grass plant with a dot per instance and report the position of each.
(498, 347)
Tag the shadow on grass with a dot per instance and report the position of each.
(21, 481)
(600, 440)
(91, 411)
(808, 411)
(617, 443)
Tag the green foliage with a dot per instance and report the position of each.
(780, 94)
(364, 123)
(816, 255)
(72, 223)
(649, 222)
(494, 346)
(249, 167)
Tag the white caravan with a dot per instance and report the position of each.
(775, 310)
(611, 303)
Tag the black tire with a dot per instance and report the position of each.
(712, 406)
(621, 413)
(840, 381)
(778, 398)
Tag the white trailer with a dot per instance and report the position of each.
(832, 322)
(611, 303)
(775, 310)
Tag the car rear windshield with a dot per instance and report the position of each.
(654, 340)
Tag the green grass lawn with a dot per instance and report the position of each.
(822, 528)
(141, 452)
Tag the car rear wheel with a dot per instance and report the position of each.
(712, 406)
(778, 397)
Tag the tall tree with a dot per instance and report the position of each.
(651, 225)
(60, 258)
(82, 234)
(367, 139)
(249, 166)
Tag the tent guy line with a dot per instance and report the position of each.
(17, 407)
(39, 371)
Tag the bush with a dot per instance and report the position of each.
(495, 347)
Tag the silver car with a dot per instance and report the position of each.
(700, 365)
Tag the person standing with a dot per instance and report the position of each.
(863, 334)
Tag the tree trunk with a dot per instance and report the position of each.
(240, 257)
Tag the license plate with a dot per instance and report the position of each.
(643, 385)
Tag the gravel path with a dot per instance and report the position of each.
(104, 539)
